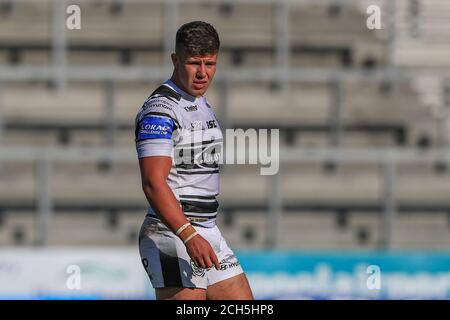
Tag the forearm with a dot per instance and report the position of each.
(165, 204)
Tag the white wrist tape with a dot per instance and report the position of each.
(184, 226)
(190, 237)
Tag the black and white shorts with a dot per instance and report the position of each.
(168, 264)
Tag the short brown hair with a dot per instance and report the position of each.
(197, 38)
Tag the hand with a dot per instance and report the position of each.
(201, 253)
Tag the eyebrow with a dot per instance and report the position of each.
(194, 60)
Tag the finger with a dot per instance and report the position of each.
(214, 260)
(197, 263)
(208, 263)
(201, 263)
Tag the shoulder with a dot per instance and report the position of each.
(166, 93)
(163, 102)
(162, 99)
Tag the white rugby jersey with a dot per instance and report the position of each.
(175, 124)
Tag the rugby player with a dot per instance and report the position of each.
(182, 249)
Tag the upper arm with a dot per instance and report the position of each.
(154, 169)
(155, 126)
(154, 136)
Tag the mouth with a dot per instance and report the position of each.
(199, 84)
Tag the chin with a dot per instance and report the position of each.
(197, 93)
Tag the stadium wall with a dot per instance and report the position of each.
(105, 273)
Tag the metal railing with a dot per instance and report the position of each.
(389, 159)
(60, 73)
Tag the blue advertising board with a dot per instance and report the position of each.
(347, 275)
(113, 273)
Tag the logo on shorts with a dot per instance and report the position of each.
(229, 262)
(199, 272)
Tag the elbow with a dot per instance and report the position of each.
(150, 187)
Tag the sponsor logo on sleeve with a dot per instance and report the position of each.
(153, 127)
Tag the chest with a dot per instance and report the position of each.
(198, 116)
(199, 123)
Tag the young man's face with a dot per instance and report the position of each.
(194, 73)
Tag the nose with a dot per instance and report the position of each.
(201, 71)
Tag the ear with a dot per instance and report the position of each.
(174, 58)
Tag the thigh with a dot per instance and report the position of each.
(235, 288)
(229, 282)
(178, 293)
(166, 261)
(230, 267)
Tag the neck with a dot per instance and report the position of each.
(178, 83)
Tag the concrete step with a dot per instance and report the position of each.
(243, 184)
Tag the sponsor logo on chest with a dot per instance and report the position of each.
(191, 108)
(196, 125)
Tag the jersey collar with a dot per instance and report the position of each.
(184, 94)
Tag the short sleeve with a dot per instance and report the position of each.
(154, 135)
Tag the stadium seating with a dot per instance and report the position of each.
(340, 209)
